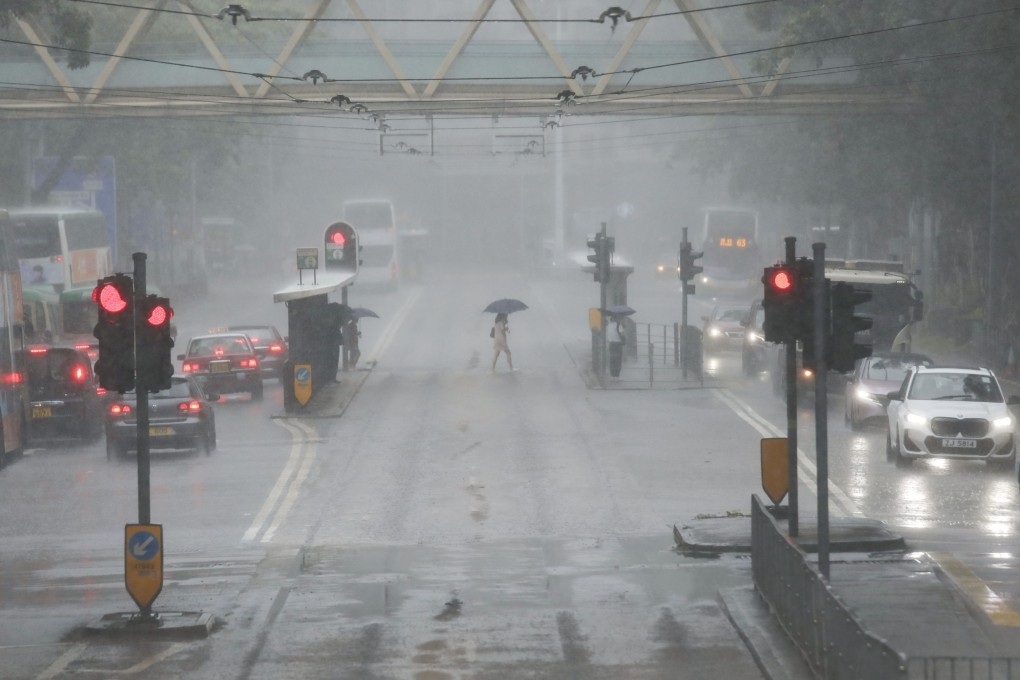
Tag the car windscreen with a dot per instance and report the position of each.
(892, 369)
(259, 335)
(219, 345)
(955, 387)
(179, 389)
(56, 368)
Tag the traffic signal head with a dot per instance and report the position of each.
(844, 348)
(155, 342)
(342, 248)
(688, 268)
(788, 302)
(115, 366)
(600, 258)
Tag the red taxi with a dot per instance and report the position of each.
(224, 363)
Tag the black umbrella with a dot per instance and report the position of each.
(505, 306)
(620, 310)
(361, 313)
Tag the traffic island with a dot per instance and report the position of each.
(159, 625)
(732, 533)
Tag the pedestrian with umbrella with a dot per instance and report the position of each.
(502, 309)
(352, 334)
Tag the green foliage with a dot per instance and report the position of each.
(64, 23)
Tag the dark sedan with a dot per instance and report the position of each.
(180, 418)
(65, 399)
(270, 347)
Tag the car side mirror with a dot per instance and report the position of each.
(1013, 400)
(180, 357)
(894, 396)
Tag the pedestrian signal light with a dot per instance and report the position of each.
(115, 364)
(342, 248)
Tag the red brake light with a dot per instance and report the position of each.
(37, 350)
(189, 367)
(190, 406)
(82, 346)
(218, 351)
(100, 391)
(276, 348)
(79, 374)
(249, 363)
(11, 378)
(120, 409)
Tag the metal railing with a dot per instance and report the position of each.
(656, 360)
(832, 641)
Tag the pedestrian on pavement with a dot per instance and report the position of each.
(351, 335)
(499, 331)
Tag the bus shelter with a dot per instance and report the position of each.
(313, 337)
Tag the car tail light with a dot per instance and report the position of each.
(190, 407)
(249, 363)
(276, 348)
(189, 367)
(37, 350)
(254, 341)
(120, 409)
(82, 346)
(79, 374)
(218, 351)
(100, 391)
(11, 378)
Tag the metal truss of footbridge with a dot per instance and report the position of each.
(482, 58)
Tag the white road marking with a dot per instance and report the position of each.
(294, 489)
(842, 502)
(383, 343)
(297, 448)
(58, 666)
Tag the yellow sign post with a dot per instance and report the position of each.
(775, 478)
(143, 562)
(595, 318)
(302, 383)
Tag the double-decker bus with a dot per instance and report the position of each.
(65, 250)
(13, 390)
(376, 223)
(732, 260)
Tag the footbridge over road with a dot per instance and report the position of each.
(488, 58)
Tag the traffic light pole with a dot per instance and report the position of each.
(793, 523)
(603, 295)
(142, 396)
(821, 406)
(684, 245)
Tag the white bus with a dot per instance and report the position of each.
(61, 246)
(376, 223)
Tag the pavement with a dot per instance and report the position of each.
(916, 602)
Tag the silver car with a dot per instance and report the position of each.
(873, 378)
(951, 413)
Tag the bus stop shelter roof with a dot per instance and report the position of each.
(325, 283)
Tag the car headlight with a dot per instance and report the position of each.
(863, 394)
(702, 279)
(662, 268)
(714, 332)
(754, 338)
(1003, 423)
(916, 419)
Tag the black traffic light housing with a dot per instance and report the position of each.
(788, 301)
(115, 331)
(155, 342)
(686, 260)
(603, 247)
(844, 350)
(343, 249)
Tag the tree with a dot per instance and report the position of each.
(67, 25)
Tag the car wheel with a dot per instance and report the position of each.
(890, 450)
(901, 460)
(1003, 464)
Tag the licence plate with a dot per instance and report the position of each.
(219, 366)
(160, 431)
(42, 412)
(959, 443)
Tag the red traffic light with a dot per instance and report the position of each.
(110, 298)
(781, 281)
(159, 315)
(337, 238)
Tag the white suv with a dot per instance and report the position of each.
(951, 413)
